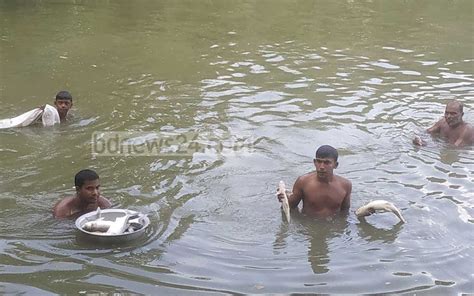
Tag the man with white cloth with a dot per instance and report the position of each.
(48, 114)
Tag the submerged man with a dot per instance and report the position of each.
(451, 127)
(86, 199)
(322, 192)
(48, 117)
(63, 104)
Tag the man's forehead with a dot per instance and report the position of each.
(453, 106)
(91, 182)
(324, 158)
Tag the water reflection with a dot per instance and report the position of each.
(371, 232)
(321, 233)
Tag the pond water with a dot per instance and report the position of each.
(257, 86)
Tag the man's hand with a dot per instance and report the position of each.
(418, 141)
(280, 195)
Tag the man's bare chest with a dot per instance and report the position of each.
(451, 134)
(327, 193)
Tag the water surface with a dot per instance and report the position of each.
(282, 77)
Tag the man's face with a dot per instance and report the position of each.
(89, 192)
(453, 115)
(325, 167)
(63, 107)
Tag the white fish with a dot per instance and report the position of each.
(284, 201)
(98, 213)
(119, 225)
(128, 223)
(99, 225)
(379, 206)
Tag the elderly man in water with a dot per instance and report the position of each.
(86, 199)
(322, 192)
(451, 127)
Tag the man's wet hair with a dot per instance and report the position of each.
(327, 151)
(456, 102)
(83, 176)
(63, 95)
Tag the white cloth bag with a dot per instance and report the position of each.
(49, 117)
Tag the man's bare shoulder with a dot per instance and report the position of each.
(65, 201)
(436, 128)
(345, 182)
(307, 177)
(63, 207)
(468, 134)
(469, 128)
(104, 202)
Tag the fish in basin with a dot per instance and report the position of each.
(130, 222)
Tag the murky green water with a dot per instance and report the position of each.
(284, 76)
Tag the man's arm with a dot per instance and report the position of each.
(470, 136)
(59, 212)
(436, 128)
(466, 137)
(104, 203)
(297, 195)
(346, 203)
(62, 208)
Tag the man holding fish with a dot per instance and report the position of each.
(86, 199)
(323, 193)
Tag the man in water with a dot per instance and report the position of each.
(86, 199)
(451, 127)
(322, 192)
(63, 104)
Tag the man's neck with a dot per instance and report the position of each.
(457, 125)
(327, 179)
(84, 204)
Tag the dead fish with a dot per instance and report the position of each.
(284, 201)
(379, 206)
(128, 223)
(99, 225)
(135, 223)
(119, 225)
(98, 213)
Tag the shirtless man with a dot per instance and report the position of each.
(451, 127)
(322, 192)
(86, 199)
